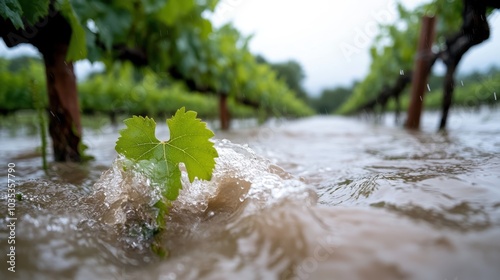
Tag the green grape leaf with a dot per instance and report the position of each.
(189, 143)
(11, 9)
(77, 47)
(34, 10)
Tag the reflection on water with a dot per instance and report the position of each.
(318, 198)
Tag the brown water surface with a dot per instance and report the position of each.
(316, 198)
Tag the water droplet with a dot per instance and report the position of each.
(428, 88)
(462, 82)
(421, 98)
(242, 198)
(401, 72)
(211, 213)
(495, 94)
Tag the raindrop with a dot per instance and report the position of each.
(428, 87)
(462, 82)
(401, 72)
(421, 98)
(495, 94)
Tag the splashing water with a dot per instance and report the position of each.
(125, 197)
(392, 205)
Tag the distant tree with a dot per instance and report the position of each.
(293, 74)
(331, 99)
(260, 59)
(18, 63)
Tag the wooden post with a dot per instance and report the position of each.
(224, 112)
(421, 72)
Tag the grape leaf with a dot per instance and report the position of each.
(189, 143)
(34, 10)
(11, 9)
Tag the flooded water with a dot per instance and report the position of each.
(315, 198)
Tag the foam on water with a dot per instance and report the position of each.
(122, 194)
(240, 175)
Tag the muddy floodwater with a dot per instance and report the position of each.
(314, 198)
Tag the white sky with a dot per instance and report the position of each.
(313, 32)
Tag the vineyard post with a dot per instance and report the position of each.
(224, 112)
(422, 69)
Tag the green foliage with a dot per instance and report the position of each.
(17, 10)
(291, 73)
(394, 49)
(472, 90)
(11, 9)
(125, 90)
(159, 161)
(331, 99)
(77, 47)
(33, 11)
(15, 80)
(175, 37)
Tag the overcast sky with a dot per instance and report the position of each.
(330, 39)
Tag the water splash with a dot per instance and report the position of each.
(241, 176)
(123, 197)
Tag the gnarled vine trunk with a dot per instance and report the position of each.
(474, 30)
(51, 35)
